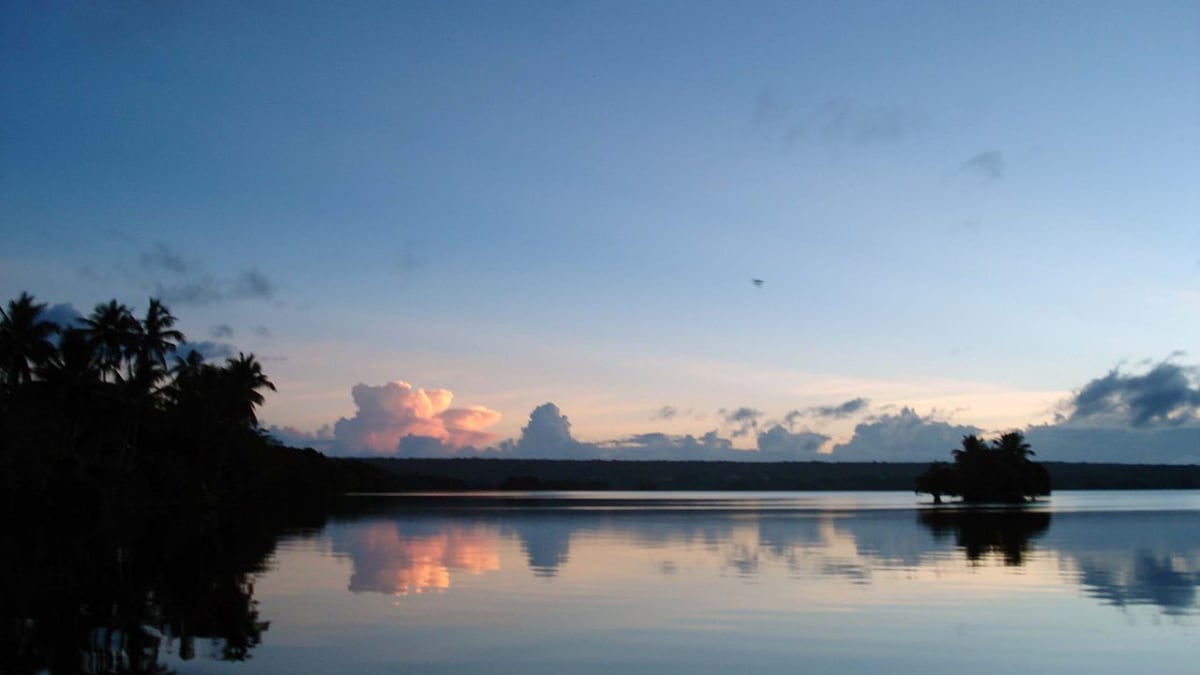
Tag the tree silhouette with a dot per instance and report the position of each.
(24, 340)
(241, 384)
(114, 333)
(982, 472)
(153, 343)
(100, 413)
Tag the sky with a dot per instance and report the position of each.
(532, 228)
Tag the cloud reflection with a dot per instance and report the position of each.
(390, 560)
(1121, 560)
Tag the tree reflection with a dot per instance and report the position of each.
(980, 533)
(115, 596)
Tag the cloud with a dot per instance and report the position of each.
(779, 443)
(1164, 396)
(835, 120)
(223, 330)
(666, 412)
(210, 350)
(768, 111)
(390, 413)
(207, 289)
(174, 280)
(548, 435)
(1149, 417)
(840, 411)
(321, 440)
(1062, 443)
(262, 331)
(659, 446)
(743, 420)
(411, 257)
(64, 315)
(988, 165)
(160, 258)
(902, 437)
(252, 284)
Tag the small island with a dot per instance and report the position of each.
(999, 472)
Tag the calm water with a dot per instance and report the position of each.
(702, 583)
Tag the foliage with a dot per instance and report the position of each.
(982, 472)
(111, 412)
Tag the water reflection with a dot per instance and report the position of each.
(1114, 557)
(128, 597)
(414, 557)
(117, 596)
(980, 533)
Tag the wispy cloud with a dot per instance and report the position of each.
(743, 420)
(840, 119)
(666, 412)
(988, 165)
(169, 276)
(841, 410)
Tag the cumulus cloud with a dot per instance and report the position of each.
(988, 165)
(395, 411)
(905, 436)
(780, 443)
(1165, 396)
(1134, 417)
(548, 435)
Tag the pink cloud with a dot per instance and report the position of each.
(389, 412)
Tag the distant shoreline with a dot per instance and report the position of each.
(478, 473)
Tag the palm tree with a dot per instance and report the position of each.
(242, 378)
(113, 333)
(155, 341)
(973, 449)
(1013, 447)
(24, 340)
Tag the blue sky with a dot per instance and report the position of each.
(963, 213)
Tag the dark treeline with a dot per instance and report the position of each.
(544, 474)
(107, 413)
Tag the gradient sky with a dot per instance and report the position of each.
(965, 214)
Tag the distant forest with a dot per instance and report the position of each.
(543, 474)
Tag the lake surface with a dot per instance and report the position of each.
(1095, 582)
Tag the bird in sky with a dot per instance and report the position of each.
(757, 282)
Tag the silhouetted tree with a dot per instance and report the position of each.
(999, 472)
(24, 340)
(241, 382)
(114, 333)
